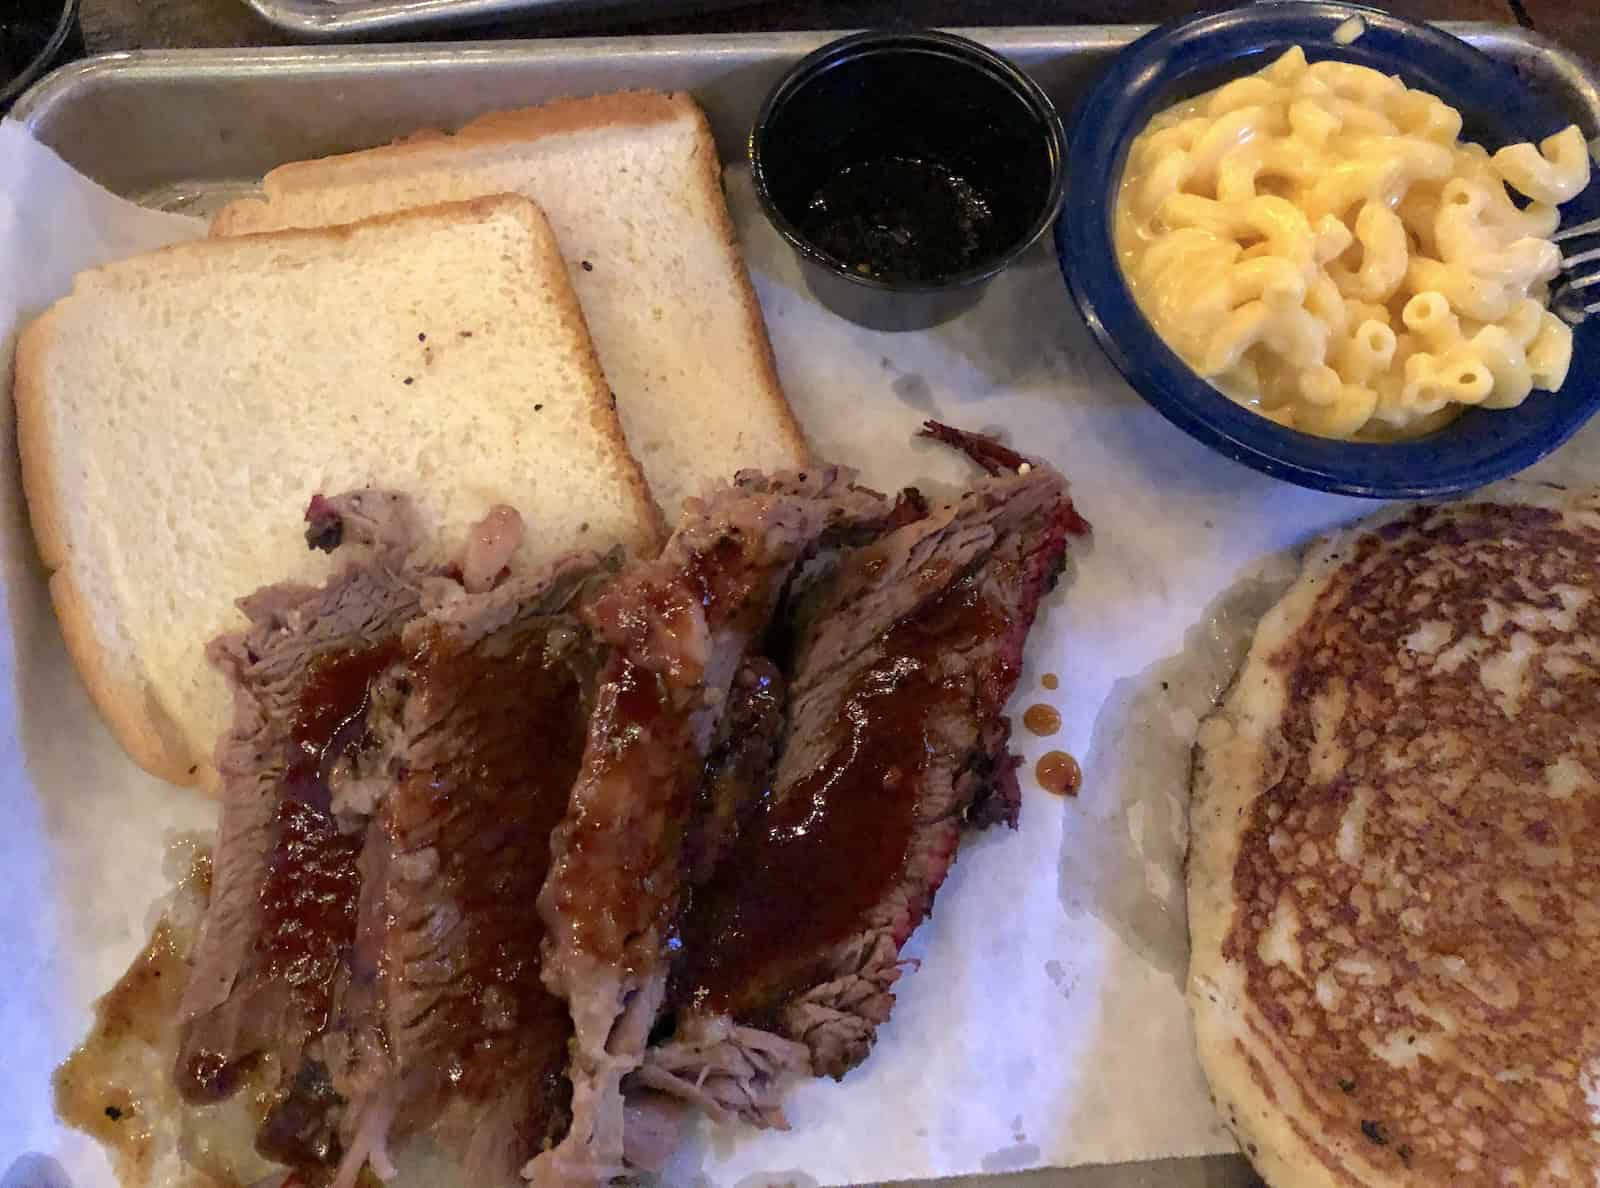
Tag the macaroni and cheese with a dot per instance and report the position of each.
(1316, 241)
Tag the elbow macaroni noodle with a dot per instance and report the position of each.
(1315, 241)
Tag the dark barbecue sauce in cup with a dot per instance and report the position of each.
(904, 219)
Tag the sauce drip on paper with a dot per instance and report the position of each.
(118, 1087)
(1058, 773)
(1042, 719)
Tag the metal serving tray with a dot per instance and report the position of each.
(186, 130)
(332, 19)
(155, 126)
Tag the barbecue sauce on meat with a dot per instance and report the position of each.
(737, 768)
(723, 582)
(313, 882)
(309, 904)
(820, 854)
(312, 886)
(637, 735)
(299, 1131)
(330, 718)
(489, 811)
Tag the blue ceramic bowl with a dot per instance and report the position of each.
(1199, 53)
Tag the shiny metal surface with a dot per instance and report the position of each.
(141, 121)
(1580, 272)
(188, 130)
(356, 18)
(146, 121)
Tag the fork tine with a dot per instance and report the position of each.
(1564, 303)
(1568, 293)
(1570, 262)
(1592, 227)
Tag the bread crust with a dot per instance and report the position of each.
(37, 457)
(618, 109)
(602, 415)
(1241, 753)
(126, 705)
(122, 700)
(758, 341)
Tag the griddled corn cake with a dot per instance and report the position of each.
(1394, 868)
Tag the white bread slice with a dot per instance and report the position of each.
(176, 412)
(632, 185)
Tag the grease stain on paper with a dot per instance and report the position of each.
(35, 1170)
(1122, 856)
(787, 1179)
(1059, 978)
(914, 390)
(1017, 1157)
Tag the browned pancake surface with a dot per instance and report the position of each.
(1408, 779)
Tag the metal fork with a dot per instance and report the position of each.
(1576, 293)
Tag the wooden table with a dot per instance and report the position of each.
(150, 24)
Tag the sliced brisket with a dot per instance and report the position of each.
(402, 749)
(283, 904)
(482, 729)
(903, 660)
(679, 629)
(737, 769)
(477, 831)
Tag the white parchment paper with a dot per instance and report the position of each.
(1045, 1025)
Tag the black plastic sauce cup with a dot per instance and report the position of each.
(907, 170)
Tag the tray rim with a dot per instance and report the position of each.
(331, 19)
(61, 85)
